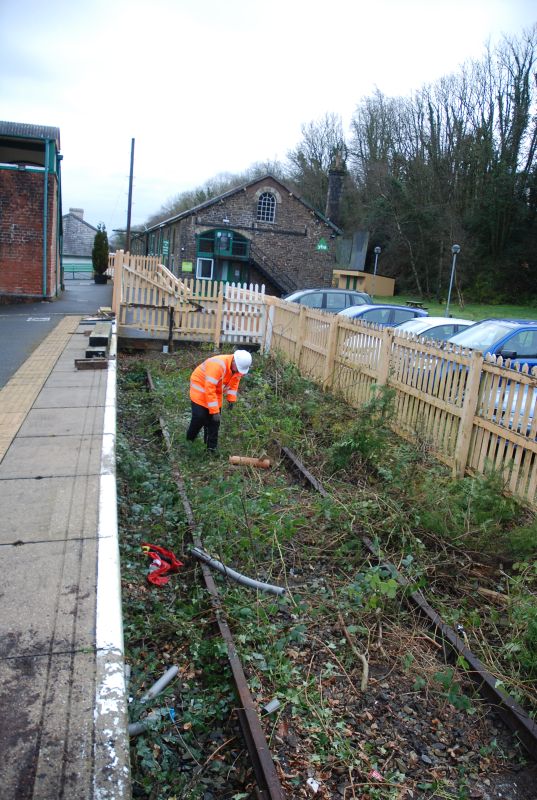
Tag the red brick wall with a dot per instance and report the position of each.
(21, 234)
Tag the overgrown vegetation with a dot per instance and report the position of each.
(342, 622)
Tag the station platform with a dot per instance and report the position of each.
(63, 709)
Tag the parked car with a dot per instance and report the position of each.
(440, 328)
(332, 300)
(515, 339)
(386, 315)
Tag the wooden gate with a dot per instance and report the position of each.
(149, 298)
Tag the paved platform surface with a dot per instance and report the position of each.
(24, 325)
(63, 715)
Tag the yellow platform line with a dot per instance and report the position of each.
(20, 392)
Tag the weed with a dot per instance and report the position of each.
(373, 588)
(367, 435)
(452, 690)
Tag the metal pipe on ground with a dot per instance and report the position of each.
(159, 685)
(201, 555)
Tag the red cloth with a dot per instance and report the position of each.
(164, 562)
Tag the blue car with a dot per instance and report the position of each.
(386, 315)
(510, 338)
(514, 339)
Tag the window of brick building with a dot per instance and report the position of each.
(266, 207)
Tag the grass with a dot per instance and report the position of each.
(475, 311)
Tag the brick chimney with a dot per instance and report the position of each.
(335, 188)
(77, 212)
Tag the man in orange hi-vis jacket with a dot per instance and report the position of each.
(216, 377)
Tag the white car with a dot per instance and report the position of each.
(440, 328)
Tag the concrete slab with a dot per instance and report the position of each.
(36, 457)
(66, 362)
(63, 421)
(53, 609)
(76, 377)
(71, 397)
(62, 508)
(45, 740)
(77, 344)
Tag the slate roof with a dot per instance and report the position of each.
(236, 190)
(23, 130)
(78, 236)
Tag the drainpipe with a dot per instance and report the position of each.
(45, 219)
(60, 224)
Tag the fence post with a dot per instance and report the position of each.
(171, 314)
(471, 395)
(385, 356)
(117, 291)
(301, 332)
(328, 376)
(268, 317)
(219, 313)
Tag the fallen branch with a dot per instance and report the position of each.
(496, 596)
(361, 656)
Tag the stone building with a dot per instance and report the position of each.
(78, 238)
(30, 211)
(260, 232)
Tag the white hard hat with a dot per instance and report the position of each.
(243, 360)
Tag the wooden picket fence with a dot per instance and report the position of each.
(148, 298)
(476, 415)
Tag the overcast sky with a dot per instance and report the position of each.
(212, 86)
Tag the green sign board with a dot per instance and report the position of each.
(186, 266)
(165, 247)
(322, 245)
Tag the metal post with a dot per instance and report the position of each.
(171, 310)
(377, 253)
(455, 250)
(129, 205)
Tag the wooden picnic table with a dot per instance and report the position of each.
(416, 304)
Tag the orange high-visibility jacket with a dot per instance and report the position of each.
(211, 380)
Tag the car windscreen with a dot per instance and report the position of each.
(414, 325)
(313, 300)
(357, 300)
(482, 336)
(292, 297)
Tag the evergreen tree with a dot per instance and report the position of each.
(99, 253)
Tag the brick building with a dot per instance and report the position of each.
(30, 211)
(260, 232)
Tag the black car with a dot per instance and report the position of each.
(332, 300)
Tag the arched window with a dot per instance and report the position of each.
(266, 207)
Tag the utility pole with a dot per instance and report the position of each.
(128, 239)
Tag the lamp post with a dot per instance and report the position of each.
(455, 250)
(377, 253)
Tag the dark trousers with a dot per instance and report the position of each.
(202, 419)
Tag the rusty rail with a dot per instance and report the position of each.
(268, 784)
(508, 709)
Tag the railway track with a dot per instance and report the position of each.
(452, 643)
(268, 784)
